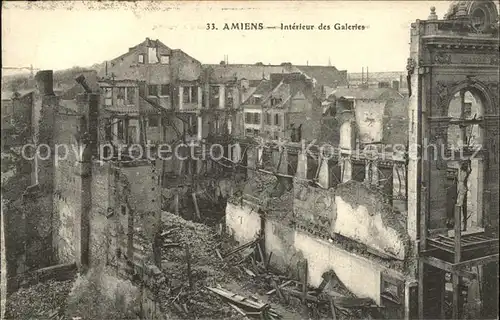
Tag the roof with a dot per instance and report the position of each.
(249, 72)
(325, 75)
(377, 76)
(8, 94)
(148, 42)
(144, 106)
(366, 94)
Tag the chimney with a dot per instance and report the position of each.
(93, 122)
(45, 82)
(81, 81)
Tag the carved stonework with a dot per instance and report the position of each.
(493, 91)
(410, 66)
(438, 132)
(443, 92)
(442, 58)
(478, 16)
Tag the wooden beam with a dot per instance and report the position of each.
(423, 218)
(437, 263)
(457, 236)
(196, 208)
(456, 295)
(475, 262)
(304, 290)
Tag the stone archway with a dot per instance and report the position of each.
(455, 55)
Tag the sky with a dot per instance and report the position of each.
(60, 35)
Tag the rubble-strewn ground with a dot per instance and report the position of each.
(212, 267)
(185, 294)
(41, 301)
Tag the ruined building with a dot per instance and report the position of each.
(414, 229)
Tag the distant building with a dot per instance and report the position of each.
(395, 80)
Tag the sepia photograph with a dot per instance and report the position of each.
(252, 160)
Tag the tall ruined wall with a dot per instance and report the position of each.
(67, 198)
(363, 215)
(354, 210)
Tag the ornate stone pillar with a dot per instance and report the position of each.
(324, 173)
(433, 154)
(200, 127)
(371, 172)
(302, 166)
(346, 167)
(200, 97)
(492, 175)
(181, 97)
(222, 96)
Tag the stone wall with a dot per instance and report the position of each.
(242, 222)
(355, 211)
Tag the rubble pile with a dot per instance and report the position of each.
(46, 300)
(191, 261)
(201, 266)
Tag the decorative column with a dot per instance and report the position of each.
(280, 160)
(115, 129)
(302, 166)
(324, 173)
(492, 177)
(371, 172)
(222, 96)
(236, 152)
(200, 127)
(181, 97)
(347, 133)
(433, 154)
(230, 124)
(346, 167)
(200, 97)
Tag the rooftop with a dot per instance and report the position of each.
(366, 94)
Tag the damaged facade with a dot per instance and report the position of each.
(388, 227)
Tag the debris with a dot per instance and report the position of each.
(218, 254)
(280, 286)
(238, 299)
(250, 273)
(238, 309)
(240, 248)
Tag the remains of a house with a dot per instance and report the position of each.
(286, 191)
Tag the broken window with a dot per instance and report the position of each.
(164, 90)
(194, 94)
(164, 59)
(214, 96)
(140, 58)
(186, 95)
(277, 119)
(120, 129)
(108, 96)
(312, 168)
(269, 118)
(130, 95)
(153, 90)
(256, 118)
(152, 55)
(229, 98)
(358, 171)
(392, 297)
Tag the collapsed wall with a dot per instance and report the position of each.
(349, 229)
